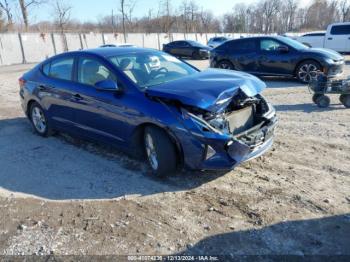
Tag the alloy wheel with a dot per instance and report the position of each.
(308, 72)
(38, 119)
(225, 65)
(151, 152)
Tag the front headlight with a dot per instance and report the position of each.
(330, 61)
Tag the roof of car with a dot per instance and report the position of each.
(111, 51)
(258, 37)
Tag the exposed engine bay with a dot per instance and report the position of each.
(249, 119)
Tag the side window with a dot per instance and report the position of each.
(60, 68)
(242, 45)
(340, 30)
(269, 45)
(91, 71)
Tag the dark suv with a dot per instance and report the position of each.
(276, 56)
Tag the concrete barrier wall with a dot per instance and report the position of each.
(34, 47)
(10, 49)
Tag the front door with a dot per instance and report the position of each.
(102, 115)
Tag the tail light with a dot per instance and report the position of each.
(21, 82)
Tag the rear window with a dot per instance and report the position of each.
(315, 34)
(60, 68)
(340, 30)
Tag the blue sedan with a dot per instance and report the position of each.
(152, 105)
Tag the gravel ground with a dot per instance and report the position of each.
(62, 195)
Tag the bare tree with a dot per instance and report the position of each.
(62, 18)
(2, 21)
(126, 8)
(290, 9)
(5, 7)
(166, 16)
(344, 9)
(25, 5)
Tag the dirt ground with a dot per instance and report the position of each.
(62, 195)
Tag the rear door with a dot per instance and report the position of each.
(55, 90)
(338, 38)
(243, 54)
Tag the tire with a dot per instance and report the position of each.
(39, 120)
(196, 56)
(224, 64)
(160, 151)
(315, 96)
(323, 101)
(307, 71)
(345, 100)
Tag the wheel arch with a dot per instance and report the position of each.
(303, 61)
(137, 138)
(29, 104)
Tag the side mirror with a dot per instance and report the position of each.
(108, 85)
(283, 49)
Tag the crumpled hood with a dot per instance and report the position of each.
(211, 90)
(326, 53)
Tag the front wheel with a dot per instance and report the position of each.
(225, 65)
(307, 71)
(160, 151)
(196, 56)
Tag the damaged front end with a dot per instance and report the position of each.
(239, 130)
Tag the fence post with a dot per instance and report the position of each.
(81, 42)
(22, 49)
(158, 41)
(53, 43)
(103, 38)
(143, 40)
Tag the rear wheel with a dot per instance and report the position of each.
(307, 71)
(225, 65)
(39, 120)
(345, 100)
(315, 96)
(160, 151)
(323, 101)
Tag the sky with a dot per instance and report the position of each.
(91, 10)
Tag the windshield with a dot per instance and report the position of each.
(293, 43)
(151, 68)
(194, 43)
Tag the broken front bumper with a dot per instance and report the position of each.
(225, 152)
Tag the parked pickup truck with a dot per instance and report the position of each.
(337, 37)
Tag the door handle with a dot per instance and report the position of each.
(43, 87)
(330, 38)
(77, 97)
